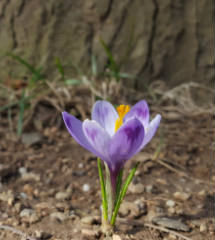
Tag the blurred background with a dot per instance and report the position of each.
(64, 55)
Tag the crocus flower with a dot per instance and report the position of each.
(114, 135)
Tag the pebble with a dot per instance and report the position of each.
(127, 208)
(89, 232)
(26, 212)
(182, 196)
(202, 193)
(18, 207)
(203, 227)
(170, 203)
(43, 206)
(116, 237)
(29, 215)
(30, 176)
(42, 235)
(80, 165)
(22, 170)
(171, 223)
(90, 219)
(6, 196)
(59, 216)
(149, 188)
(86, 187)
(31, 138)
(136, 188)
(62, 195)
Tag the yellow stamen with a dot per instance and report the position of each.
(122, 110)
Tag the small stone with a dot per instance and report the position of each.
(42, 235)
(86, 187)
(59, 216)
(31, 138)
(182, 196)
(90, 219)
(202, 193)
(5, 196)
(161, 181)
(136, 188)
(80, 165)
(26, 212)
(23, 195)
(89, 232)
(203, 227)
(171, 223)
(22, 170)
(170, 203)
(172, 237)
(18, 207)
(171, 210)
(43, 206)
(149, 188)
(116, 237)
(127, 208)
(62, 195)
(30, 176)
(28, 215)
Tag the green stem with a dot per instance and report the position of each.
(109, 192)
(103, 191)
(123, 192)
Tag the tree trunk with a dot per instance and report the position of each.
(156, 40)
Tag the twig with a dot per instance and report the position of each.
(182, 174)
(16, 231)
(166, 230)
(149, 225)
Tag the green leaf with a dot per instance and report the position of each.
(21, 114)
(118, 184)
(123, 192)
(36, 72)
(94, 65)
(113, 65)
(59, 67)
(72, 81)
(103, 190)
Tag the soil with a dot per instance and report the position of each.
(50, 187)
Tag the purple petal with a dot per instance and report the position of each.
(151, 130)
(140, 111)
(98, 138)
(105, 114)
(74, 127)
(125, 143)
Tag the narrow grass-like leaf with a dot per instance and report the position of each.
(22, 61)
(21, 114)
(118, 184)
(109, 192)
(60, 67)
(113, 65)
(36, 72)
(72, 81)
(94, 65)
(103, 190)
(123, 192)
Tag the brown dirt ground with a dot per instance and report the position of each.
(185, 164)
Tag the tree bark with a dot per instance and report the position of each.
(156, 40)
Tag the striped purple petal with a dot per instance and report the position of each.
(140, 111)
(74, 127)
(98, 138)
(125, 143)
(150, 131)
(105, 114)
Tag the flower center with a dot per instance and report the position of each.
(122, 110)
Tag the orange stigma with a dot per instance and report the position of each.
(122, 110)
